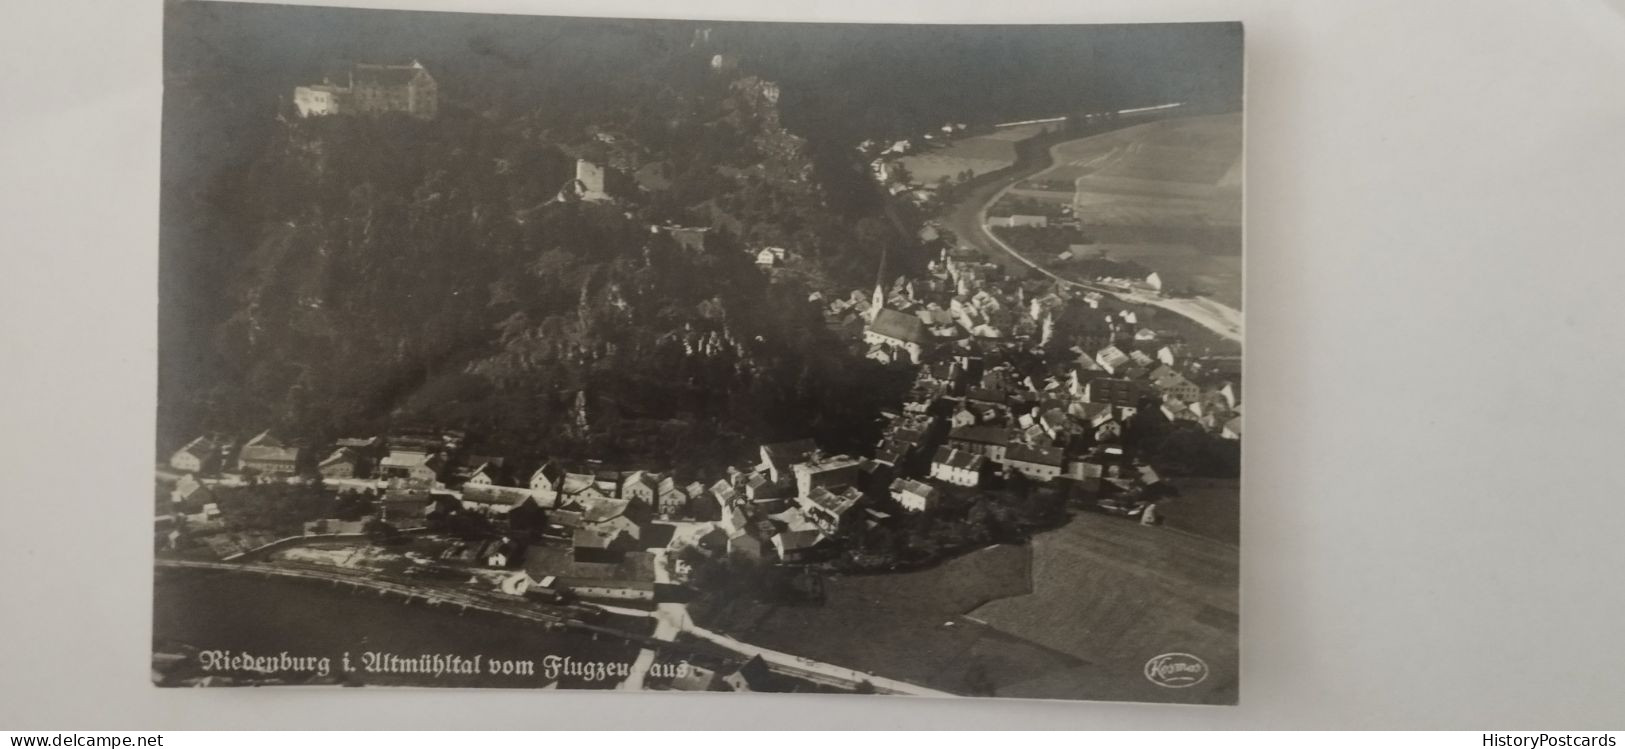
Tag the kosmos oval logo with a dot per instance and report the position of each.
(1176, 670)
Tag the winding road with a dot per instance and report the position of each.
(968, 222)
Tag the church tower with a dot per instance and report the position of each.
(879, 300)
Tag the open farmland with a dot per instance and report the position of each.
(1209, 507)
(1112, 594)
(1166, 195)
(1180, 172)
(905, 625)
(978, 154)
(1075, 615)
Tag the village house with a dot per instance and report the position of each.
(988, 441)
(630, 577)
(406, 508)
(575, 485)
(201, 455)
(1019, 219)
(365, 446)
(603, 543)
(1112, 360)
(268, 456)
(603, 485)
(691, 238)
(343, 463)
(640, 486)
(1037, 463)
(1057, 425)
(797, 544)
(1175, 409)
(334, 526)
(413, 466)
(201, 517)
(914, 496)
(189, 494)
(832, 471)
(726, 497)
(670, 499)
(752, 677)
(701, 504)
(483, 471)
(889, 331)
(1114, 391)
(607, 530)
(1045, 305)
(546, 481)
(770, 257)
(494, 499)
(957, 467)
(366, 452)
(830, 510)
(1171, 383)
(502, 553)
(1091, 414)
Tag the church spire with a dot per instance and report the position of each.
(879, 300)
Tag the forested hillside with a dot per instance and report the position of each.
(386, 270)
(350, 274)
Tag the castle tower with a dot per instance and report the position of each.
(590, 180)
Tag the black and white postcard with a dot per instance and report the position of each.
(578, 353)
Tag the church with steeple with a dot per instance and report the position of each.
(892, 334)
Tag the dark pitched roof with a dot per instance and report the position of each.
(911, 486)
(341, 455)
(958, 459)
(754, 673)
(784, 453)
(836, 504)
(266, 447)
(1049, 456)
(989, 435)
(636, 569)
(495, 495)
(900, 326)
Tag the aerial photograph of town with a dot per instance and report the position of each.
(578, 353)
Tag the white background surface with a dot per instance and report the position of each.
(1433, 523)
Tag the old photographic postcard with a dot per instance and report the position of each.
(537, 352)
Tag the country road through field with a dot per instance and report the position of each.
(968, 222)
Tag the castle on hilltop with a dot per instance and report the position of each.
(366, 88)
